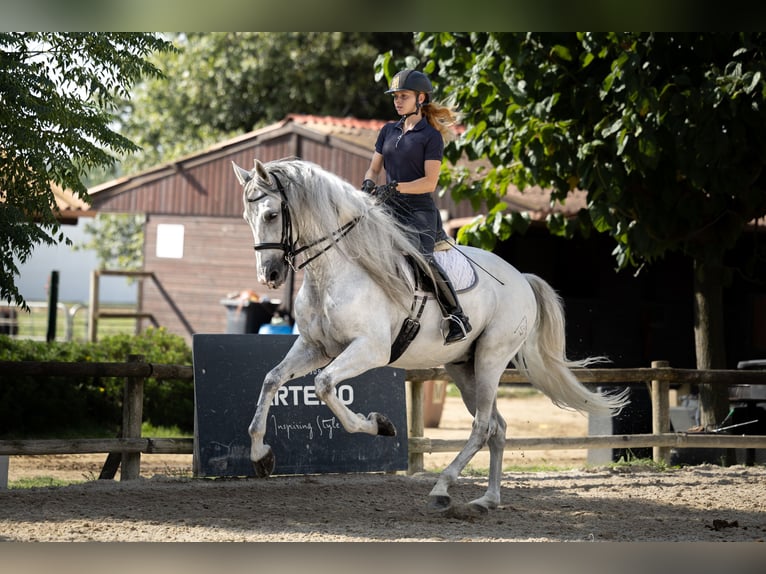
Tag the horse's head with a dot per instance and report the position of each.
(267, 213)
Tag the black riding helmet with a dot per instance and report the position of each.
(411, 80)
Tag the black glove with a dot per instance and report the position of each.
(383, 193)
(368, 186)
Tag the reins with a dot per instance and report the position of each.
(290, 247)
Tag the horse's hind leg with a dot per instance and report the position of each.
(479, 398)
(496, 442)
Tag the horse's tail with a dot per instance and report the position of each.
(542, 358)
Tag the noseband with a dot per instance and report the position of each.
(287, 244)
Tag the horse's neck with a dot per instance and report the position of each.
(334, 271)
(328, 268)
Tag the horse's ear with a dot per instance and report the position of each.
(243, 176)
(260, 169)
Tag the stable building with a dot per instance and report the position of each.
(197, 246)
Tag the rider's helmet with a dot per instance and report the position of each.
(411, 80)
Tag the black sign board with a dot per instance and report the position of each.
(303, 432)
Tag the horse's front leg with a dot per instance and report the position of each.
(299, 361)
(359, 357)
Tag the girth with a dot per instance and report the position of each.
(411, 324)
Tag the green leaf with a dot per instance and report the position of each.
(562, 52)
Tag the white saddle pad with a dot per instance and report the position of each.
(458, 267)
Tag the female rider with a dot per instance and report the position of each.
(411, 152)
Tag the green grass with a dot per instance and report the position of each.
(40, 482)
(504, 391)
(149, 430)
(632, 463)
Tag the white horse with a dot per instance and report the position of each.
(359, 290)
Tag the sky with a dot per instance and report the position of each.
(74, 269)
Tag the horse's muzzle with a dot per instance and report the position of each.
(272, 275)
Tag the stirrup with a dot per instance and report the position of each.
(459, 327)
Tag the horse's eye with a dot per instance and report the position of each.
(271, 215)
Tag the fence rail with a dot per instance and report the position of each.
(660, 376)
(95, 313)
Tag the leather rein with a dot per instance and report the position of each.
(287, 244)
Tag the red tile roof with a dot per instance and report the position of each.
(336, 124)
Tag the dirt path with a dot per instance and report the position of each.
(703, 503)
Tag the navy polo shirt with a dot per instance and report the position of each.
(404, 155)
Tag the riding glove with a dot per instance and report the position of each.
(382, 193)
(368, 186)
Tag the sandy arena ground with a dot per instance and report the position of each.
(578, 503)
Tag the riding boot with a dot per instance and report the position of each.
(459, 327)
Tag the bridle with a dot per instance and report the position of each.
(290, 246)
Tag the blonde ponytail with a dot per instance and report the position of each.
(442, 117)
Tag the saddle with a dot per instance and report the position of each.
(463, 277)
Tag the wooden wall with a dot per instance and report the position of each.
(218, 260)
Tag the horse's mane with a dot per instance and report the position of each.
(321, 202)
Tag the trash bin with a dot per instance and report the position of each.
(247, 316)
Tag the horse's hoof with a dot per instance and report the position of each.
(265, 466)
(385, 426)
(439, 503)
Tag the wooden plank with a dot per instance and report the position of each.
(589, 376)
(111, 466)
(96, 446)
(72, 446)
(124, 315)
(623, 376)
(120, 273)
(679, 440)
(660, 395)
(417, 424)
(65, 369)
(132, 417)
(3, 472)
(423, 445)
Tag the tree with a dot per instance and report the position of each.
(223, 84)
(57, 99)
(117, 239)
(666, 132)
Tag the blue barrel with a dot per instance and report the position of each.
(279, 329)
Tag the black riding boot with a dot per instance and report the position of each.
(459, 327)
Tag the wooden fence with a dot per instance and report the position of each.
(95, 313)
(131, 444)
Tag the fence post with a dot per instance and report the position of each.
(3, 471)
(417, 427)
(132, 416)
(93, 307)
(53, 304)
(660, 412)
